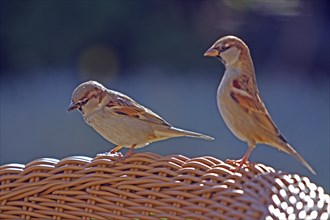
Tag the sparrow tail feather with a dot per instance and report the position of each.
(286, 147)
(180, 132)
(304, 162)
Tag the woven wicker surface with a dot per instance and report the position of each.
(149, 186)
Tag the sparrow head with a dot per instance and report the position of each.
(87, 97)
(228, 49)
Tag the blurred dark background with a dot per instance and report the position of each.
(153, 52)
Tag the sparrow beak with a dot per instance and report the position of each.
(211, 52)
(72, 106)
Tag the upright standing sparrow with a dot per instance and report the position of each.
(120, 119)
(239, 101)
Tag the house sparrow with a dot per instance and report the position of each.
(239, 101)
(120, 119)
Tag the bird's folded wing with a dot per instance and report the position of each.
(128, 107)
(255, 107)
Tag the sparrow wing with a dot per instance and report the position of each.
(252, 104)
(121, 104)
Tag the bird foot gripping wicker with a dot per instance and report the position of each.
(149, 186)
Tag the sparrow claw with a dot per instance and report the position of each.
(115, 154)
(238, 164)
(121, 158)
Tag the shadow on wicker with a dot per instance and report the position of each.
(149, 186)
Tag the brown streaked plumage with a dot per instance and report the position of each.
(239, 101)
(120, 119)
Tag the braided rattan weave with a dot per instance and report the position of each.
(149, 186)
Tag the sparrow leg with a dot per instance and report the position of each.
(245, 158)
(128, 154)
(130, 151)
(117, 148)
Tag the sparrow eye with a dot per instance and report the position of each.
(83, 102)
(224, 47)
